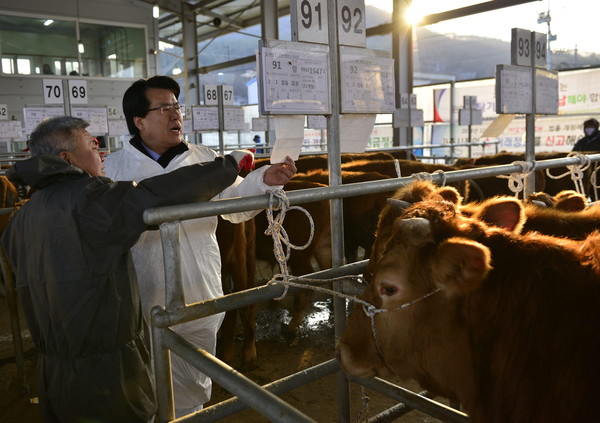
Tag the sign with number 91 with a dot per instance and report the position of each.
(310, 22)
(78, 93)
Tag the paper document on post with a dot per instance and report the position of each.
(355, 131)
(289, 135)
(498, 126)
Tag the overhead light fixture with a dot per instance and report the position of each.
(176, 71)
(48, 22)
(80, 47)
(155, 11)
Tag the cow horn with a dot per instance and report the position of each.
(398, 205)
(416, 227)
(539, 203)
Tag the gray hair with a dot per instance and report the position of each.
(54, 135)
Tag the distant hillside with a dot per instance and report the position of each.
(465, 57)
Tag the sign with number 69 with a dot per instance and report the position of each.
(78, 93)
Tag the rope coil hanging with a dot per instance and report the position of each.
(576, 171)
(516, 181)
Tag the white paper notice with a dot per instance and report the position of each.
(355, 131)
(289, 135)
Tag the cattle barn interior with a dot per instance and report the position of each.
(369, 103)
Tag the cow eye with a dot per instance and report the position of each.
(388, 290)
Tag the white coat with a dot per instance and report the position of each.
(200, 261)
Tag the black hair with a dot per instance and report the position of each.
(591, 123)
(135, 102)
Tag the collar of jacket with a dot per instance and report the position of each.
(44, 170)
(166, 157)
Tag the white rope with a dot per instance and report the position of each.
(516, 181)
(397, 166)
(278, 233)
(576, 171)
(424, 176)
(593, 181)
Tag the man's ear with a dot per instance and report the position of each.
(138, 122)
(66, 156)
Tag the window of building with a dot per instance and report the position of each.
(41, 46)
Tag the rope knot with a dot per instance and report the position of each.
(516, 181)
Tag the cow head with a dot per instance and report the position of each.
(403, 198)
(429, 247)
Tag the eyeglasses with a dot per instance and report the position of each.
(167, 108)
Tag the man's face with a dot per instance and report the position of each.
(86, 155)
(160, 130)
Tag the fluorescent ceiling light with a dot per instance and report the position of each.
(48, 22)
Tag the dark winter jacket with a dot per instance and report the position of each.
(588, 143)
(69, 248)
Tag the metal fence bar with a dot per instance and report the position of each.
(155, 216)
(426, 405)
(169, 317)
(162, 371)
(225, 375)
(266, 403)
(286, 384)
(396, 411)
(169, 237)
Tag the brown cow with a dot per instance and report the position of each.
(407, 168)
(238, 264)
(510, 330)
(360, 212)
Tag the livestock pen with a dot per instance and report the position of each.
(177, 312)
(264, 400)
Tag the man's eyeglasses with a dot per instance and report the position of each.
(167, 108)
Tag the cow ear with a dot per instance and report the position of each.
(572, 201)
(461, 265)
(503, 212)
(450, 194)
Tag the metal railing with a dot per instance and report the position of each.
(177, 311)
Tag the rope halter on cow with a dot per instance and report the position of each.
(576, 171)
(516, 181)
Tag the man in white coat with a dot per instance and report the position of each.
(154, 119)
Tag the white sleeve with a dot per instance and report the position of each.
(252, 184)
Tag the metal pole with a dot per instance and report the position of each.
(291, 382)
(169, 236)
(162, 371)
(221, 119)
(266, 403)
(426, 405)
(336, 206)
(530, 139)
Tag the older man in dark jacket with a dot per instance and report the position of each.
(69, 247)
